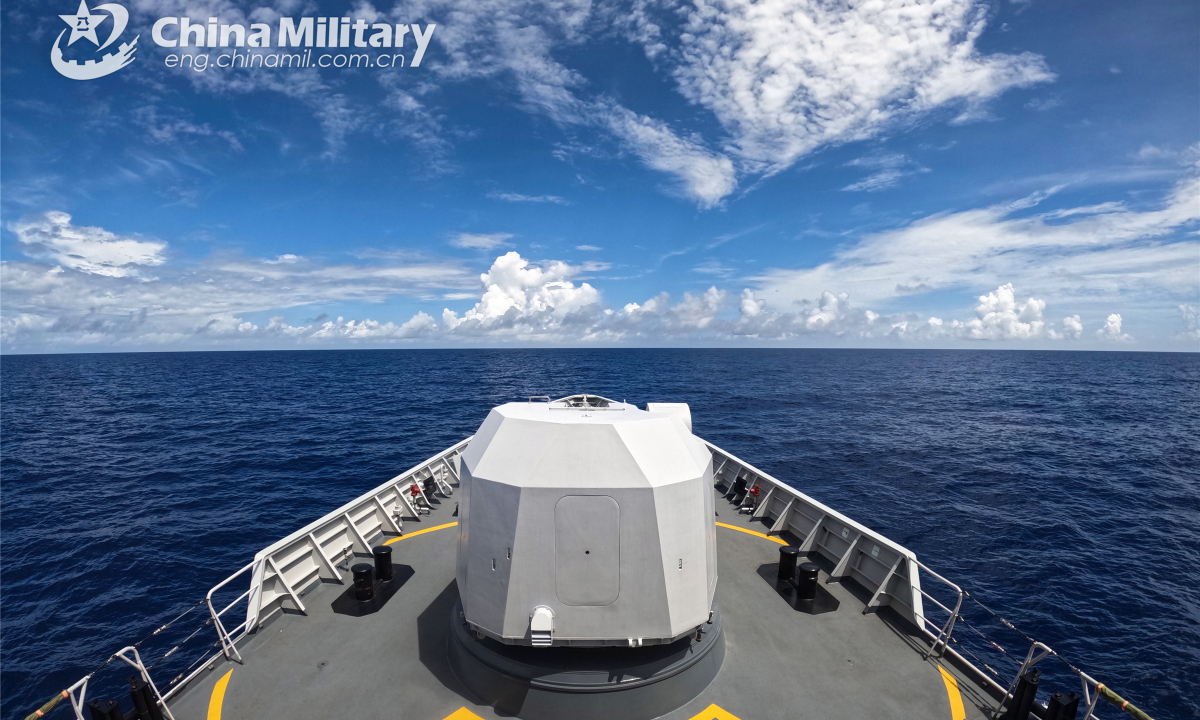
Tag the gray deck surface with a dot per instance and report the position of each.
(779, 663)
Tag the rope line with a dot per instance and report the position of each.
(53, 702)
(1101, 689)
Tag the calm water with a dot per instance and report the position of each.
(1063, 489)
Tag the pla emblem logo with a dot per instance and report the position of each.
(83, 25)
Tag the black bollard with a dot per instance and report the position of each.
(147, 708)
(806, 581)
(105, 710)
(364, 581)
(1062, 707)
(788, 555)
(383, 562)
(1023, 697)
(137, 693)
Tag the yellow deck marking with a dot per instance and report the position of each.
(462, 713)
(218, 697)
(956, 704)
(714, 712)
(751, 532)
(421, 532)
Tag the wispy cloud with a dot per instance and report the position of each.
(889, 170)
(1096, 251)
(785, 79)
(519, 198)
(480, 241)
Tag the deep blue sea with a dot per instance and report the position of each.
(1061, 489)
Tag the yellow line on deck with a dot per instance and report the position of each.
(956, 704)
(421, 532)
(751, 532)
(218, 697)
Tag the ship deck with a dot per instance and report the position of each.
(779, 663)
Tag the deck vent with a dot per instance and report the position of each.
(541, 626)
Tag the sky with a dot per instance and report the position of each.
(810, 173)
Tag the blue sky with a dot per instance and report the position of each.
(888, 174)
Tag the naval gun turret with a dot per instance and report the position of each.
(586, 521)
(586, 560)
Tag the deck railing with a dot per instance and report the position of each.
(890, 571)
(284, 571)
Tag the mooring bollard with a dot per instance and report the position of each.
(143, 699)
(383, 562)
(788, 555)
(364, 581)
(105, 710)
(1023, 696)
(1062, 706)
(806, 581)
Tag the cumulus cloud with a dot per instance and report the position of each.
(517, 300)
(1111, 332)
(489, 241)
(1000, 316)
(51, 236)
(1072, 328)
(1191, 322)
(521, 298)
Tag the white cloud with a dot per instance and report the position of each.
(704, 176)
(51, 236)
(489, 241)
(1148, 152)
(517, 197)
(94, 295)
(1000, 317)
(588, 248)
(781, 78)
(1111, 332)
(889, 170)
(523, 300)
(206, 305)
(1072, 327)
(1191, 322)
(1098, 253)
(786, 77)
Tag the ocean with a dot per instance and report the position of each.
(1061, 489)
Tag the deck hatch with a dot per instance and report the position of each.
(587, 550)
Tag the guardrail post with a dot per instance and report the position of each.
(226, 643)
(137, 663)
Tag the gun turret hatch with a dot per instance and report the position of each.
(586, 521)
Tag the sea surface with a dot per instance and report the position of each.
(1060, 489)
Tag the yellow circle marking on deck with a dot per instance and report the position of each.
(715, 712)
(957, 712)
(218, 697)
(421, 532)
(751, 532)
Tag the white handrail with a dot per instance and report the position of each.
(345, 516)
